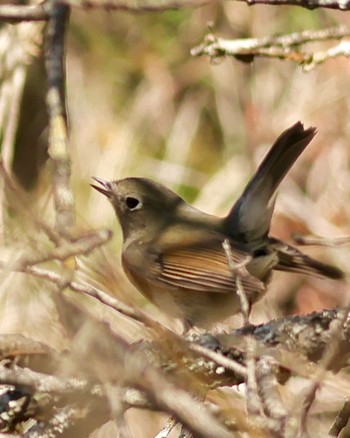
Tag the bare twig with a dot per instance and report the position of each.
(39, 381)
(8, 142)
(245, 307)
(225, 362)
(92, 292)
(58, 138)
(80, 246)
(15, 344)
(282, 47)
(341, 49)
(321, 241)
(267, 382)
(15, 14)
(139, 5)
(342, 5)
(42, 11)
(254, 403)
(238, 271)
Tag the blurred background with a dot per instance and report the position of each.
(140, 105)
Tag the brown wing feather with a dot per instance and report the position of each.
(204, 269)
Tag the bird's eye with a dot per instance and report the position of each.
(132, 203)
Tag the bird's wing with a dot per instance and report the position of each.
(205, 269)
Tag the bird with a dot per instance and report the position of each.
(191, 264)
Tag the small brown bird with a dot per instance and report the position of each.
(174, 255)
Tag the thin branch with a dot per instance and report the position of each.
(341, 49)
(58, 138)
(139, 5)
(39, 381)
(81, 246)
(16, 344)
(92, 292)
(16, 14)
(321, 241)
(267, 382)
(238, 271)
(286, 47)
(9, 133)
(254, 401)
(42, 382)
(42, 12)
(219, 359)
(342, 5)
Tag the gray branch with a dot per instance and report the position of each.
(16, 14)
(286, 47)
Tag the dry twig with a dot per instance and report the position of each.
(58, 138)
(321, 241)
(342, 5)
(286, 47)
(139, 5)
(238, 271)
(15, 14)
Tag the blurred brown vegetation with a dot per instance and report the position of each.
(140, 105)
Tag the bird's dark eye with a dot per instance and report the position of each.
(132, 202)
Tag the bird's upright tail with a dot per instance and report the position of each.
(250, 217)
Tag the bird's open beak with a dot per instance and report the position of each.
(105, 189)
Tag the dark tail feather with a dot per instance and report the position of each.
(292, 260)
(250, 217)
